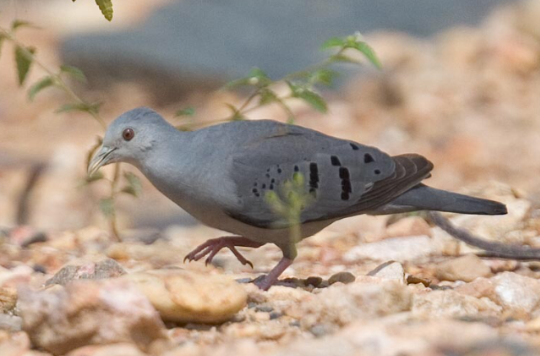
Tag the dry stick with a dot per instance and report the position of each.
(36, 171)
(493, 249)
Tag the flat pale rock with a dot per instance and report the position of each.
(465, 268)
(190, 297)
(61, 319)
(517, 293)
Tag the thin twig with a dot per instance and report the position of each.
(493, 249)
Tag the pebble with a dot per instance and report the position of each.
(465, 268)
(104, 311)
(517, 293)
(8, 299)
(107, 268)
(190, 297)
(343, 277)
(314, 281)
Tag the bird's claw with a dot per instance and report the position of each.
(211, 248)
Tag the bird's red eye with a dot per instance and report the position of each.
(128, 134)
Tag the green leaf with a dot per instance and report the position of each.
(106, 8)
(94, 178)
(107, 207)
(256, 77)
(323, 76)
(134, 186)
(315, 100)
(39, 86)
(267, 96)
(189, 111)
(89, 108)
(75, 72)
(24, 59)
(368, 52)
(20, 23)
(261, 78)
(334, 42)
(343, 58)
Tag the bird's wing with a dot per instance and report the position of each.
(340, 178)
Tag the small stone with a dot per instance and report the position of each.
(391, 270)
(10, 322)
(24, 236)
(409, 226)
(418, 280)
(320, 330)
(314, 281)
(479, 288)
(104, 269)
(8, 299)
(266, 308)
(465, 268)
(187, 296)
(451, 304)
(61, 319)
(343, 277)
(107, 350)
(517, 293)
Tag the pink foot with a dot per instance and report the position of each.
(271, 278)
(213, 246)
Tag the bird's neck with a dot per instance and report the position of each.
(167, 164)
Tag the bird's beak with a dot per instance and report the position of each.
(101, 158)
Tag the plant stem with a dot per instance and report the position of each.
(112, 220)
(57, 78)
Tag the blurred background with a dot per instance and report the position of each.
(460, 84)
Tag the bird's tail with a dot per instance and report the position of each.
(422, 197)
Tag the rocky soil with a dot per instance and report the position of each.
(468, 99)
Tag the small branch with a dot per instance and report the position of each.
(493, 249)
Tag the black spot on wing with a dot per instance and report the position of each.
(354, 147)
(313, 175)
(335, 161)
(346, 187)
(368, 158)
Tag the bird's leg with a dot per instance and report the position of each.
(213, 246)
(274, 274)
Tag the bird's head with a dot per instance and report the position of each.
(128, 138)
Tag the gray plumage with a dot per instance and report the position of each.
(221, 174)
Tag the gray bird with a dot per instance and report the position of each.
(222, 174)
